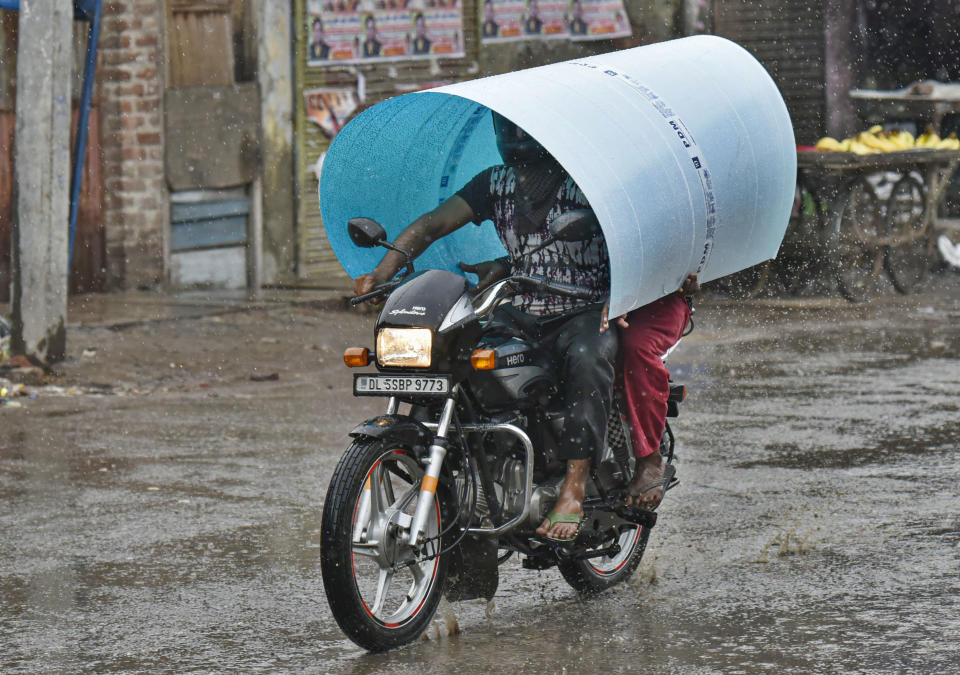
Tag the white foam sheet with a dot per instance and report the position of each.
(684, 149)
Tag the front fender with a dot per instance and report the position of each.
(400, 428)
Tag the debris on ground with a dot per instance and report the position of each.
(13, 390)
(949, 251)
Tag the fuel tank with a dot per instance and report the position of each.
(522, 377)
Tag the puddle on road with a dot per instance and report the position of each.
(893, 450)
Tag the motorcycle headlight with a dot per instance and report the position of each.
(404, 347)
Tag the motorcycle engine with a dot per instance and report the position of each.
(512, 481)
(509, 487)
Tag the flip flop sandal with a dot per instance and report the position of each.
(668, 481)
(555, 518)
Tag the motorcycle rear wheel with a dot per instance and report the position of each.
(592, 575)
(365, 560)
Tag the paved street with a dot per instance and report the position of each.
(160, 501)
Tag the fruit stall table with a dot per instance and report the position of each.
(856, 215)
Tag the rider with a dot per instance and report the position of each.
(646, 334)
(521, 196)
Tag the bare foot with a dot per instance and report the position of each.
(649, 469)
(570, 500)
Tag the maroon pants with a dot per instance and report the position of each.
(653, 330)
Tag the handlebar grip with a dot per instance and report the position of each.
(356, 300)
(558, 287)
(569, 290)
(382, 289)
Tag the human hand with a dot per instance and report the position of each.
(690, 286)
(364, 284)
(605, 321)
(488, 272)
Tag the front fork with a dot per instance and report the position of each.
(428, 485)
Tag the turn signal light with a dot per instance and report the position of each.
(356, 357)
(483, 359)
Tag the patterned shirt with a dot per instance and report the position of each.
(491, 194)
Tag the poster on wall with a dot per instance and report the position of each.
(330, 108)
(351, 31)
(509, 20)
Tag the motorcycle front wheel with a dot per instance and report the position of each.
(382, 592)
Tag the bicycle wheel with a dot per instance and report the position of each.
(856, 226)
(906, 255)
(797, 265)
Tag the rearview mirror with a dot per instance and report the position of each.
(576, 225)
(366, 232)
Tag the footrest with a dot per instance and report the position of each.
(635, 514)
(538, 563)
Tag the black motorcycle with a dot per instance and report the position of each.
(430, 501)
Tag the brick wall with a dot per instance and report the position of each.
(131, 99)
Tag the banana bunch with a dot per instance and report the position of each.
(830, 144)
(875, 139)
(930, 139)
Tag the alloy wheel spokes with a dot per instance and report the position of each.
(625, 539)
(362, 521)
(368, 549)
(387, 486)
(376, 498)
(383, 587)
(375, 481)
(384, 563)
(417, 589)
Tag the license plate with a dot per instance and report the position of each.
(398, 385)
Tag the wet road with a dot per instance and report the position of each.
(173, 525)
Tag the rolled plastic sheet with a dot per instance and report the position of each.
(684, 149)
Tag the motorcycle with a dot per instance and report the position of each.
(431, 501)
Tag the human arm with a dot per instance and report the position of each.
(450, 216)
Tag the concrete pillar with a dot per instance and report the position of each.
(42, 179)
(839, 67)
(697, 17)
(275, 77)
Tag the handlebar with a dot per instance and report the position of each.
(555, 286)
(378, 290)
(491, 296)
(532, 280)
